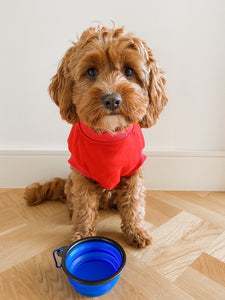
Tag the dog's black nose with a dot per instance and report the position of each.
(112, 101)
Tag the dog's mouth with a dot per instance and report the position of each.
(112, 123)
(114, 113)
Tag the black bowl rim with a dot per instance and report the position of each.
(94, 282)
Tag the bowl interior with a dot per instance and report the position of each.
(93, 260)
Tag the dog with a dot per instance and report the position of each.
(107, 86)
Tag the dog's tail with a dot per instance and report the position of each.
(50, 190)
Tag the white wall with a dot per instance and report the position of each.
(187, 38)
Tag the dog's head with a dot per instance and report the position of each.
(109, 80)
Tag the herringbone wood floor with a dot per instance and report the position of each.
(186, 260)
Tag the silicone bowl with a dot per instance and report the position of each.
(93, 265)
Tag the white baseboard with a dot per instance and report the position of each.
(185, 170)
(163, 170)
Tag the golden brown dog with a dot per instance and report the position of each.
(109, 80)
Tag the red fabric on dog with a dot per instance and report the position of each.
(105, 157)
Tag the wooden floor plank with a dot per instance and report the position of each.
(25, 242)
(199, 286)
(32, 213)
(36, 278)
(192, 208)
(10, 220)
(157, 212)
(217, 249)
(210, 267)
(168, 234)
(150, 282)
(208, 201)
(178, 256)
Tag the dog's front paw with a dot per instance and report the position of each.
(138, 237)
(80, 235)
(75, 237)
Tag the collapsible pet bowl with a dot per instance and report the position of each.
(93, 265)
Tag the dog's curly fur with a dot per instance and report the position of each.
(109, 51)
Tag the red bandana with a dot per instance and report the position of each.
(105, 157)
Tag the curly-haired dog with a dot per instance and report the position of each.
(107, 86)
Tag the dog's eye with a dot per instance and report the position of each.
(129, 72)
(92, 73)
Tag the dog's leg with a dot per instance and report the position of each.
(131, 206)
(84, 196)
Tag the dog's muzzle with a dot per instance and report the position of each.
(112, 101)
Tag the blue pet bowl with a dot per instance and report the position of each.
(93, 265)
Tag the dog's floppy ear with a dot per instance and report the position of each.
(61, 88)
(156, 93)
